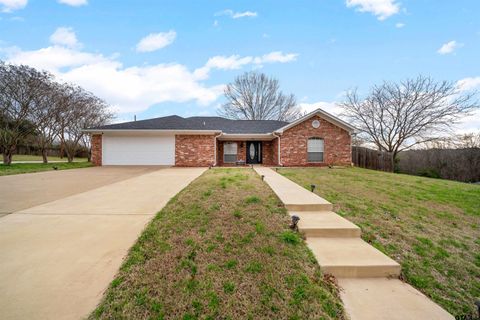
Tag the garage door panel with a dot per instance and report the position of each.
(138, 150)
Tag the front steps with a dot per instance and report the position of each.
(325, 224)
(352, 258)
(339, 250)
(380, 298)
(368, 279)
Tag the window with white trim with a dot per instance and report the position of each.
(229, 152)
(315, 150)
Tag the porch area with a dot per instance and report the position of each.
(247, 150)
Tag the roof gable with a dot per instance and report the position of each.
(323, 114)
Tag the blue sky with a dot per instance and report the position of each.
(318, 49)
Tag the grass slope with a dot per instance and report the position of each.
(221, 249)
(26, 157)
(430, 226)
(16, 168)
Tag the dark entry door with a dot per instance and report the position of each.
(254, 152)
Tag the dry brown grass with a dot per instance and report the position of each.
(221, 249)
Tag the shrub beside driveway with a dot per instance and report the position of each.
(221, 248)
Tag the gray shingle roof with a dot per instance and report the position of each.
(199, 123)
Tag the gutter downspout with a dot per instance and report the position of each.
(279, 157)
(215, 148)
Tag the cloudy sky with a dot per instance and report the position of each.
(155, 58)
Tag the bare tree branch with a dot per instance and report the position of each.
(398, 116)
(255, 96)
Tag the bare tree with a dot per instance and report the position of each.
(398, 116)
(255, 96)
(78, 109)
(19, 85)
(44, 117)
(468, 140)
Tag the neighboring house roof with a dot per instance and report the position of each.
(198, 123)
(227, 126)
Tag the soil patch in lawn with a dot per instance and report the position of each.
(221, 249)
(430, 226)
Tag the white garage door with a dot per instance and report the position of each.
(138, 150)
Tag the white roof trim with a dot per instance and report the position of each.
(246, 136)
(330, 117)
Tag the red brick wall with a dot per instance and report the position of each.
(97, 149)
(268, 156)
(241, 152)
(337, 144)
(194, 150)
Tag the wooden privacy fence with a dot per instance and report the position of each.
(372, 159)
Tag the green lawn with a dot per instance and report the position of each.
(221, 249)
(25, 157)
(17, 168)
(430, 226)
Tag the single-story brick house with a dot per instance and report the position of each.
(317, 139)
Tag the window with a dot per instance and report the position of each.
(229, 152)
(315, 150)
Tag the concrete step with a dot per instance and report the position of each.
(325, 224)
(309, 207)
(352, 258)
(380, 298)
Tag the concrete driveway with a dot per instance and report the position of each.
(58, 255)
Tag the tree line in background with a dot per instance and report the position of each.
(36, 108)
(455, 157)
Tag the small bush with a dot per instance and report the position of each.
(290, 237)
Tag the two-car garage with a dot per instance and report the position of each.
(138, 150)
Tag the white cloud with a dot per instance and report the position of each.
(135, 88)
(236, 62)
(11, 5)
(382, 9)
(276, 56)
(131, 89)
(400, 25)
(65, 37)
(237, 15)
(470, 123)
(470, 83)
(215, 23)
(74, 3)
(449, 47)
(156, 41)
(330, 107)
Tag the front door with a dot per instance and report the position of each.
(254, 152)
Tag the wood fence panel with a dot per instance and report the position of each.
(372, 159)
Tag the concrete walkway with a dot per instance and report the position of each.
(57, 258)
(369, 283)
